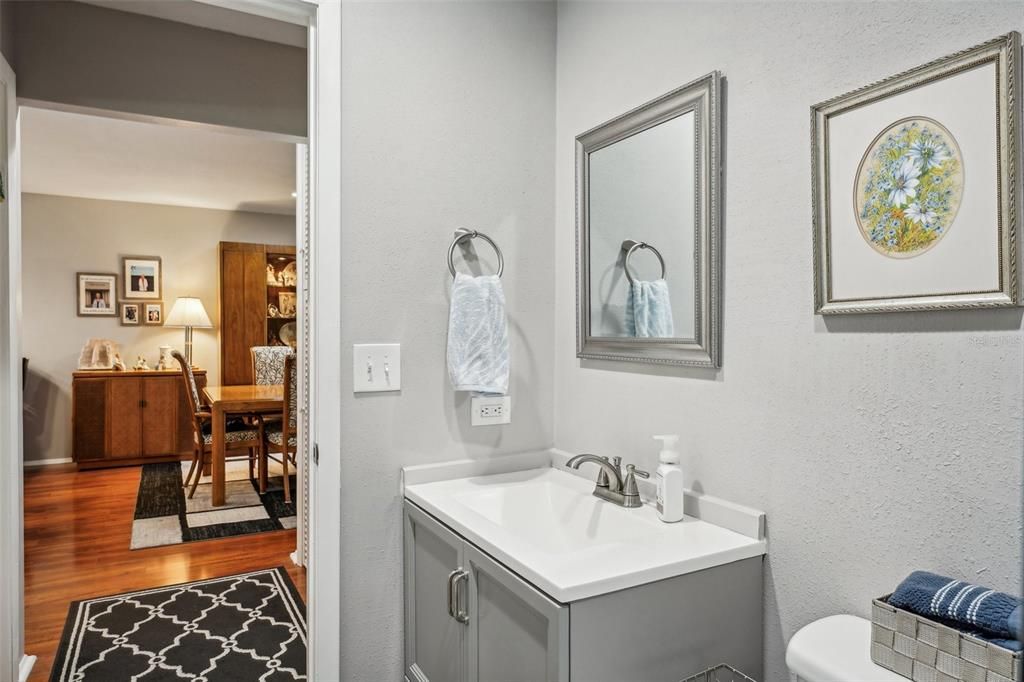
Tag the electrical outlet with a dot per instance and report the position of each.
(491, 410)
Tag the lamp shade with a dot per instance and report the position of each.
(188, 311)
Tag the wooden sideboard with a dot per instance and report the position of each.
(123, 418)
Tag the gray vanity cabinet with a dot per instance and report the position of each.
(516, 634)
(469, 619)
(434, 640)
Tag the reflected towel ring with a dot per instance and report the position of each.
(629, 246)
(461, 235)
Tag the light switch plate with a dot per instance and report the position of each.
(376, 367)
(490, 410)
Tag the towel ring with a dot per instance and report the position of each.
(629, 246)
(461, 235)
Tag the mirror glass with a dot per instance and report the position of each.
(647, 231)
(642, 192)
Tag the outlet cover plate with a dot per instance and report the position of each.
(491, 410)
(376, 367)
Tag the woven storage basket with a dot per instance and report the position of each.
(926, 651)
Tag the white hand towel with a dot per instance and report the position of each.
(478, 335)
(649, 310)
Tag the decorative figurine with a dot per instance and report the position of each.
(98, 354)
(272, 279)
(118, 363)
(141, 364)
(290, 275)
(166, 360)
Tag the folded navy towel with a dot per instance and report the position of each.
(971, 607)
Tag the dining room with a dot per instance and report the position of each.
(162, 419)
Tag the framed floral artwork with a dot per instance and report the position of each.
(915, 187)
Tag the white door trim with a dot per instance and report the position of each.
(13, 662)
(323, 591)
(324, 582)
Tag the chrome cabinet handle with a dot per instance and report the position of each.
(452, 605)
(461, 615)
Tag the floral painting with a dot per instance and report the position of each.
(909, 187)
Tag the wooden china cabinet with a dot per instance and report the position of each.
(258, 303)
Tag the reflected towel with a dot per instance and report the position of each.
(963, 605)
(649, 310)
(478, 335)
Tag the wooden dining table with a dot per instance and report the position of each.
(232, 400)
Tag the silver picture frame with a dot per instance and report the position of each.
(703, 97)
(1004, 53)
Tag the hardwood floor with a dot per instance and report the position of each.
(77, 529)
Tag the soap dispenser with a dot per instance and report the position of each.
(669, 479)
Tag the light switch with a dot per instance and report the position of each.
(377, 367)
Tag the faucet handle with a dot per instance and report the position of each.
(602, 475)
(629, 485)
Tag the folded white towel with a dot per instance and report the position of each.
(478, 335)
(649, 310)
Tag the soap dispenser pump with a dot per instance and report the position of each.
(669, 479)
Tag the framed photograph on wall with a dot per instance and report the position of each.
(916, 187)
(153, 313)
(143, 277)
(130, 314)
(97, 295)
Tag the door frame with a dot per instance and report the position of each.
(322, 244)
(14, 664)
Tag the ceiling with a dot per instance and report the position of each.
(210, 16)
(77, 155)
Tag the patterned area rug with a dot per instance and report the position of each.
(165, 516)
(243, 627)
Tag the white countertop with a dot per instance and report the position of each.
(546, 525)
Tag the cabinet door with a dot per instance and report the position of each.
(434, 639)
(89, 419)
(124, 418)
(160, 415)
(516, 633)
(243, 309)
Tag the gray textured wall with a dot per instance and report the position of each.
(448, 121)
(63, 236)
(876, 445)
(73, 53)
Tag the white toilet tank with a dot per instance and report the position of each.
(836, 649)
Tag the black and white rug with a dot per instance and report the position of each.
(241, 628)
(165, 516)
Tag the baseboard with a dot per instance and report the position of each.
(26, 667)
(29, 463)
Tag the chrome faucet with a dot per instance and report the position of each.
(611, 485)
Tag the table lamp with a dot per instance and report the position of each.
(188, 312)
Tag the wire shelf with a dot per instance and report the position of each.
(720, 673)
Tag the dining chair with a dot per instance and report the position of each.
(268, 364)
(238, 435)
(281, 438)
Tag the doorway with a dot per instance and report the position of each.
(318, 239)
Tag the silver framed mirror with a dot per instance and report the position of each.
(647, 231)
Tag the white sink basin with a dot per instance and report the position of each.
(547, 526)
(544, 510)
